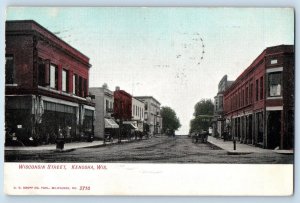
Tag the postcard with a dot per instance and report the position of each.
(149, 101)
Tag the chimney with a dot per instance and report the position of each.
(117, 88)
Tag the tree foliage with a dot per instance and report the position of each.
(203, 113)
(204, 107)
(169, 120)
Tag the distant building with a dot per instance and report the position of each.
(46, 86)
(260, 104)
(104, 100)
(219, 120)
(152, 115)
(138, 109)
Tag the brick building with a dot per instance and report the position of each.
(122, 105)
(259, 105)
(46, 86)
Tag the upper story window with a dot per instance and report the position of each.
(74, 84)
(261, 87)
(146, 106)
(9, 70)
(42, 80)
(256, 92)
(85, 86)
(133, 109)
(275, 84)
(273, 61)
(106, 105)
(250, 93)
(65, 81)
(247, 95)
(53, 77)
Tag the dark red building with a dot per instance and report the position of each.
(122, 105)
(46, 85)
(259, 105)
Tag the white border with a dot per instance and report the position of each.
(257, 3)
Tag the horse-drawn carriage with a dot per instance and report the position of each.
(201, 128)
(200, 137)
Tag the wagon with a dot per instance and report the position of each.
(200, 137)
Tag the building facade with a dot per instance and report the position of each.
(104, 101)
(219, 120)
(122, 105)
(46, 86)
(152, 115)
(259, 105)
(138, 108)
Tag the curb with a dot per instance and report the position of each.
(230, 152)
(238, 153)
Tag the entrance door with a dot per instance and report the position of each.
(274, 129)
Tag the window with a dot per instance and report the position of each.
(133, 109)
(256, 90)
(243, 97)
(53, 77)
(80, 87)
(146, 106)
(9, 70)
(85, 88)
(106, 105)
(42, 80)
(261, 88)
(74, 84)
(274, 61)
(274, 84)
(251, 93)
(247, 94)
(65, 80)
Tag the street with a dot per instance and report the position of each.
(160, 149)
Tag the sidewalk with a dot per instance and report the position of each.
(67, 146)
(240, 148)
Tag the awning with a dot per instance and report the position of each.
(110, 123)
(130, 125)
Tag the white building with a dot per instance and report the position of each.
(138, 109)
(104, 100)
(151, 113)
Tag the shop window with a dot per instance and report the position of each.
(53, 77)
(275, 84)
(9, 70)
(65, 80)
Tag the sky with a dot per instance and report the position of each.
(177, 55)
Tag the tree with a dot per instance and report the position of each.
(204, 111)
(170, 122)
(204, 107)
